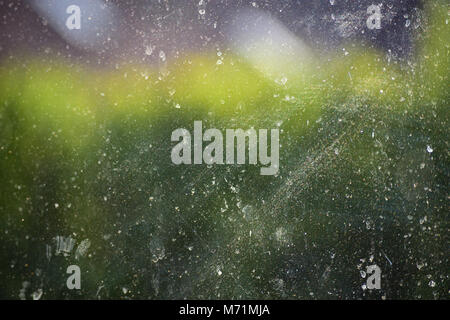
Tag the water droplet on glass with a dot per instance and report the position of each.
(148, 50)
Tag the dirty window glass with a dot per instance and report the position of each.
(216, 149)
